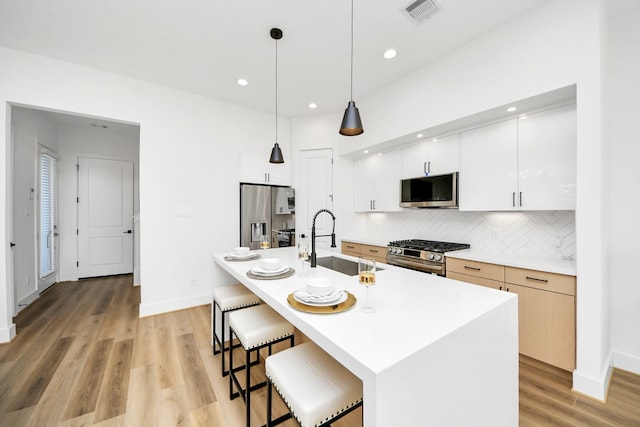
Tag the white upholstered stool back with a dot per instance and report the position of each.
(227, 299)
(315, 387)
(256, 328)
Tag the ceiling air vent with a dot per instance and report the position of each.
(420, 10)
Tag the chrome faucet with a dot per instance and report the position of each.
(313, 234)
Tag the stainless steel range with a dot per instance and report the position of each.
(422, 255)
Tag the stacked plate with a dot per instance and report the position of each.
(260, 271)
(305, 296)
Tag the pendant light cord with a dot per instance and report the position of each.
(276, 91)
(351, 94)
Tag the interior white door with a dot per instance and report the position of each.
(314, 193)
(105, 217)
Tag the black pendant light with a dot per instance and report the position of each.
(351, 123)
(276, 153)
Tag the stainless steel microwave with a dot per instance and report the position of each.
(433, 191)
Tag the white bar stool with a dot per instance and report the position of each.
(228, 299)
(256, 328)
(316, 389)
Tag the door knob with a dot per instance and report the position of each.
(127, 232)
(11, 244)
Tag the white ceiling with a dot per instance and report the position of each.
(203, 46)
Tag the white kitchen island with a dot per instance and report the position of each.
(437, 352)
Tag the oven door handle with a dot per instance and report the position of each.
(419, 265)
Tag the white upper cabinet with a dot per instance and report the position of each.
(547, 160)
(432, 157)
(376, 183)
(256, 169)
(488, 178)
(528, 163)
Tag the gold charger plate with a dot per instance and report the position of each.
(336, 308)
(286, 273)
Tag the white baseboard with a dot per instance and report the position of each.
(7, 334)
(174, 305)
(594, 387)
(626, 361)
(22, 303)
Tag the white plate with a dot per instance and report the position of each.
(247, 256)
(302, 295)
(262, 272)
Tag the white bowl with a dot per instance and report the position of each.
(271, 263)
(242, 250)
(320, 286)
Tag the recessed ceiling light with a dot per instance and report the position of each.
(511, 109)
(242, 82)
(313, 105)
(435, 139)
(390, 53)
(366, 151)
(419, 135)
(523, 116)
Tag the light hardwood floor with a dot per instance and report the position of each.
(82, 357)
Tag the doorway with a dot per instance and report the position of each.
(315, 192)
(60, 141)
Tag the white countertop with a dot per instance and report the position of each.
(414, 311)
(550, 265)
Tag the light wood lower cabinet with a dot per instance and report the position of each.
(378, 253)
(546, 307)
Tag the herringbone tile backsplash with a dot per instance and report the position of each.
(542, 233)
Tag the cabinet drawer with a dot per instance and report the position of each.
(477, 269)
(495, 284)
(552, 282)
(378, 253)
(350, 248)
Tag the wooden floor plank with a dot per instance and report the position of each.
(165, 356)
(193, 373)
(115, 387)
(143, 397)
(85, 394)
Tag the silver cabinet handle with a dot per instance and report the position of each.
(513, 199)
(521, 198)
(426, 167)
(471, 268)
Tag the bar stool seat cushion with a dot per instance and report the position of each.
(234, 296)
(258, 325)
(314, 386)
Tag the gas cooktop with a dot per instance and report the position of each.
(429, 245)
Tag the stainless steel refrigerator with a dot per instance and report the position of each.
(267, 210)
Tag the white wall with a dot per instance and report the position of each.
(189, 158)
(516, 61)
(30, 129)
(623, 196)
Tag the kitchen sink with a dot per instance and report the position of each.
(344, 266)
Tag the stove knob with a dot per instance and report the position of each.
(430, 257)
(390, 249)
(438, 257)
(398, 251)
